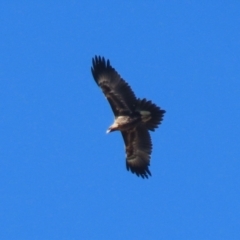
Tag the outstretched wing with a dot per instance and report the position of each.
(138, 146)
(119, 94)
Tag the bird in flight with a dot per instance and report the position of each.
(134, 117)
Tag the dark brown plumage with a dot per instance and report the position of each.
(133, 117)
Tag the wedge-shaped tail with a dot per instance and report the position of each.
(151, 114)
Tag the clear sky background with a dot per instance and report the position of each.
(62, 177)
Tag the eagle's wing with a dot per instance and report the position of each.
(138, 150)
(117, 91)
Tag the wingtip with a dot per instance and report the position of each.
(143, 173)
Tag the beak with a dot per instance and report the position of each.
(108, 131)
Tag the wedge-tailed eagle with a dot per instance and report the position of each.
(134, 117)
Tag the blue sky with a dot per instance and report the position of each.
(62, 177)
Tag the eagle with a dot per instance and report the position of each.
(134, 117)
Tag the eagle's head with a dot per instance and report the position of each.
(113, 127)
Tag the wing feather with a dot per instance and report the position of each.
(119, 94)
(138, 146)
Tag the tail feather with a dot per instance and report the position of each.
(151, 114)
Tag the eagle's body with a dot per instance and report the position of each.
(133, 117)
(124, 123)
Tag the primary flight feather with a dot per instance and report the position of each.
(134, 117)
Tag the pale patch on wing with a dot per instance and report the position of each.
(145, 115)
